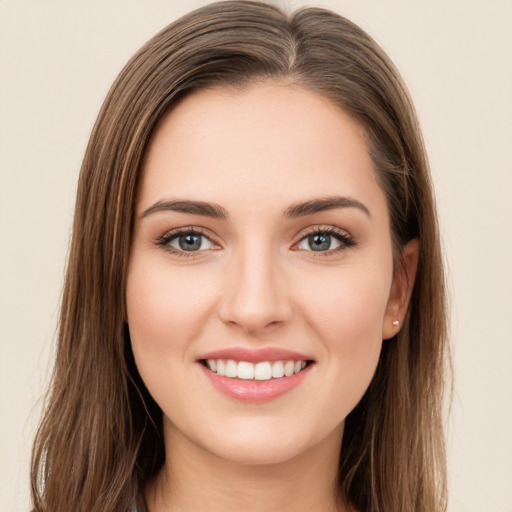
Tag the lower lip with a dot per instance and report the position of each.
(255, 390)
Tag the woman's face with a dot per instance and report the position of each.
(261, 237)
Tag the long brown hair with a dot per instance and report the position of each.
(100, 439)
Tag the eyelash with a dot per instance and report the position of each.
(165, 240)
(346, 241)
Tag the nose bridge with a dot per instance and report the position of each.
(257, 295)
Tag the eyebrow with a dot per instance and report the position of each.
(324, 204)
(216, 211)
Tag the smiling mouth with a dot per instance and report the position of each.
(261, 371)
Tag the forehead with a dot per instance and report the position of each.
(269, 142)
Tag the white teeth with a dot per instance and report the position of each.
(265, 370)
(221, 367)
(245, 370)
(288, 368)
(231, 369)
(278, 370)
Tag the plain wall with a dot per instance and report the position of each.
(57, 60)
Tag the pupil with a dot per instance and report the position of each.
(319, 242)
(190, 242)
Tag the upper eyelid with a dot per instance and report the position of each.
(319, 228)
(332, 230)
(164, 239)
(188, 229)
(302, 233)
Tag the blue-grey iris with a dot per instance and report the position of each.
(319, 241)
(190, 242)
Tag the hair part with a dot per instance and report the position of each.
(101, 440)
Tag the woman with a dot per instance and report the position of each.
(253, 315)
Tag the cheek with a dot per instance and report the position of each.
(346, 314)
(166, 311)
(346, 302)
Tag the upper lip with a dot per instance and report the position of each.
(256, 355)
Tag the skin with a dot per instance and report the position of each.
(256, 282)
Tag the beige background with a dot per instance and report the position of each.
(58, 59)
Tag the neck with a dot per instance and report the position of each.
(193, 477)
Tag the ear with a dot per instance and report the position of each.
(401, 290)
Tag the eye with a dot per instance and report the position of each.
(319, 242)
(329, 240)
(186, 241)
(191, 242)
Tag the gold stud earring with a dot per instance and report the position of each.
(396, 324)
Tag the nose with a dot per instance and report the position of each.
(255, 298)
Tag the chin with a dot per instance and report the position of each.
(269, 444)
(265, 453)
